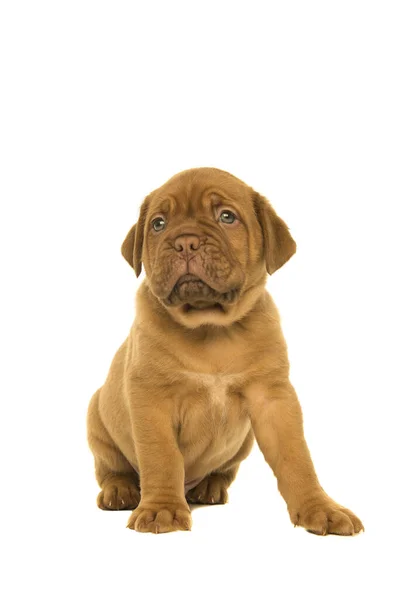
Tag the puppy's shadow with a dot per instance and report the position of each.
(194, 507)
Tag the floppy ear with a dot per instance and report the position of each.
(279, 245)
(128, 245)
(132, 246)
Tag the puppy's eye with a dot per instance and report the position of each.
(158, 224)
(227, 217)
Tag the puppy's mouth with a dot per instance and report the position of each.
(193, 294)
(187, 308)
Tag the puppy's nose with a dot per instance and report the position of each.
(187, 244)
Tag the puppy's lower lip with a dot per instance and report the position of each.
(189, 308)
(186, 278)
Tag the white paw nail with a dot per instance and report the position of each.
(122, 502)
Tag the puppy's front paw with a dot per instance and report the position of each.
(211, 490)
(321, 515)
(160, 518)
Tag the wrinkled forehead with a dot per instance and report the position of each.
(197, 191)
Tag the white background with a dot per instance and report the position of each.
(101, 102)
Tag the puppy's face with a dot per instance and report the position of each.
(207, 240)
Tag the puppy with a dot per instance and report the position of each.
(204, 369)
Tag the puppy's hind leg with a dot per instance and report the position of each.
(119, 482)
(213, 489)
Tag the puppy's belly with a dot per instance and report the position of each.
(210, 420)
(213, 425)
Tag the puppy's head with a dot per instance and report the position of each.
(207, 241)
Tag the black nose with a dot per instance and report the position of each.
(187, 244)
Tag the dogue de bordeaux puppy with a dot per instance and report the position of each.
(204, 369)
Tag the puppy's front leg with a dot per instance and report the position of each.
(163, 506)
(278, 426)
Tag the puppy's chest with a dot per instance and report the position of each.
(212, 400)
(214, 386)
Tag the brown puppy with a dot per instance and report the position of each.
(205, 366)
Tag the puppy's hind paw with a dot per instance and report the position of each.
(118, 495)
